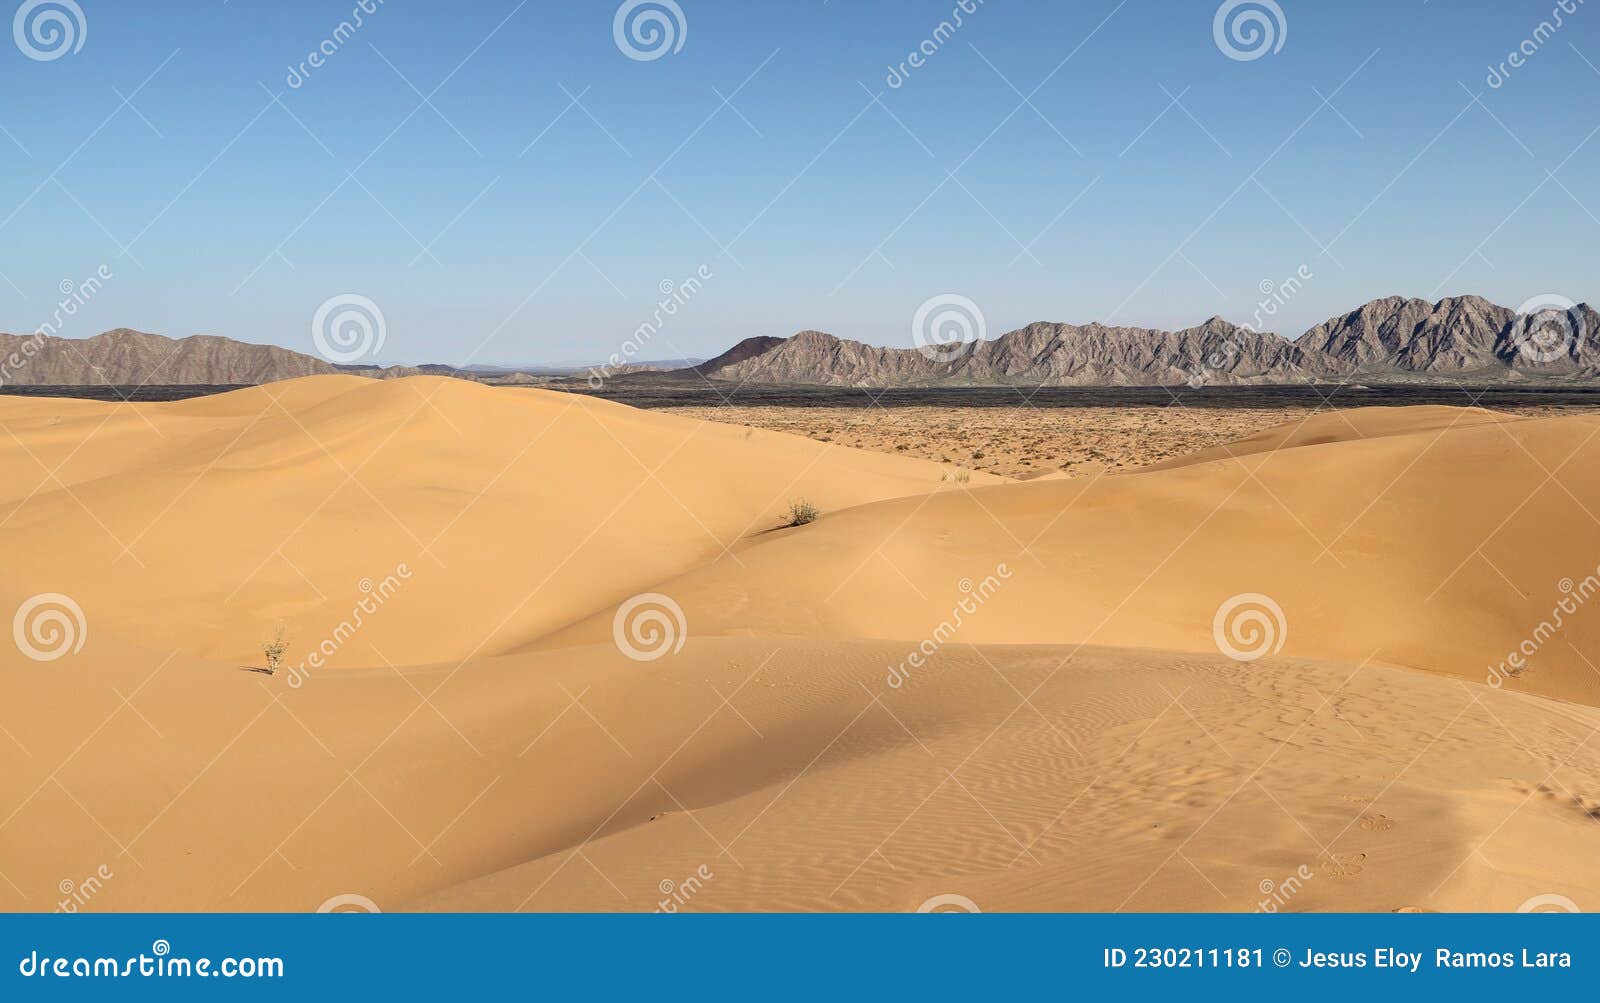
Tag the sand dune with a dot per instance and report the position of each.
(827, 737)
(1441, 546)
(201, 525)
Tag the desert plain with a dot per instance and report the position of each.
(545, 652)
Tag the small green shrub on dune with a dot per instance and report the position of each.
(802, 512)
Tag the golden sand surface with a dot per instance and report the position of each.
(551, 653)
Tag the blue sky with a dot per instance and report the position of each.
(532, 208)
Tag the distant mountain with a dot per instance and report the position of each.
(124, 357)
(1039, 354)
(1458, 338)
(1455, 337)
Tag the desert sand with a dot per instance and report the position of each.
(569, 656)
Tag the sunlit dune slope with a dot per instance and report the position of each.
(1431, 538)
(200, 525)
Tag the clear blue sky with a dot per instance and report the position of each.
(549, 225)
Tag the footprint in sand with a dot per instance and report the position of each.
(1377, 822)
(1343, 865)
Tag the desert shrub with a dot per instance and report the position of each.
(802, 512)
(275, 649)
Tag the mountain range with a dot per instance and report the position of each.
(1456, 339)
